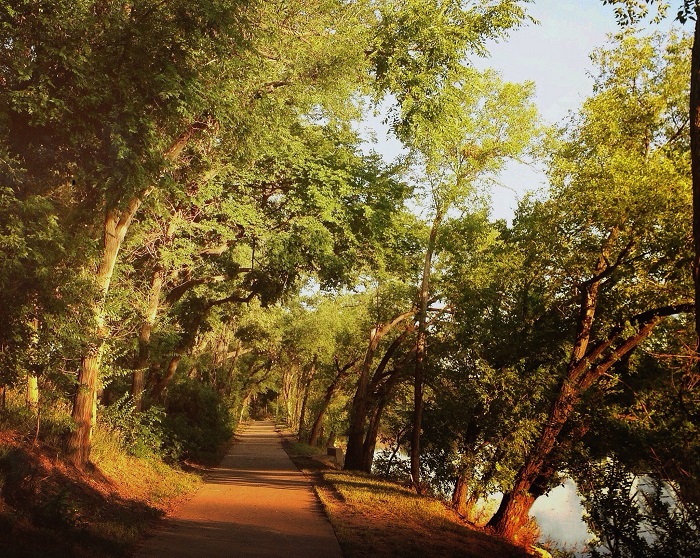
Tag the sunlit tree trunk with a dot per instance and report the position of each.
(32, 396)
(463, 501)
(532, 478)
(116, 225)
(138, 380)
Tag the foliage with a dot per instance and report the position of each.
(637, 516)
(197, 420)
(142, 433)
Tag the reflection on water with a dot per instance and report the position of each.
(559, 515)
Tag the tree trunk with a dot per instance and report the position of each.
(370, 442)
(327, 398)
(459, 494)
(115, 226)
(694, 110)
(354, 459)
(297, 401)
(421, 347)
(32, 392)
(530, 482)
(383, 398)
(307, 389)
(138, 379)
(79, 439)
(32, 397)
(159, 387)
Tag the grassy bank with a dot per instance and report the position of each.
(373, 517)
(48, 508)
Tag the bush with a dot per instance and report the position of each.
(197, 421)
(142, 433)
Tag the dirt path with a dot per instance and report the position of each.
(255, 504)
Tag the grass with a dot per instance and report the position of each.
(374, 517)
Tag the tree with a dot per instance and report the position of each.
(617, 189)
(476, 124)
(109, 106)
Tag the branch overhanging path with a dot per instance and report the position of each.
(256, 503)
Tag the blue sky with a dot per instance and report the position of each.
(555, 55)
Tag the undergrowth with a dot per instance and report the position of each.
(49, 508)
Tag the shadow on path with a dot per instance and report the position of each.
(255, 504)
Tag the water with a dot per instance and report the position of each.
(560, 517)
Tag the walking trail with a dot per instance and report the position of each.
(255, 504)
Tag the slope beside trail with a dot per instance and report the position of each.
(255, 504)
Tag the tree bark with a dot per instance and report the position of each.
(115, 227)
(354, 458)
(308, 377)
(383, 395)
(462, 501)
(370, 442)
(32, 397)
(138, 379)
(531, 479)
(327, 398)
(421, 347)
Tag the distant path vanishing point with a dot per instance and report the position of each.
(255, 504)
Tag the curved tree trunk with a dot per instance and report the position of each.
(354, 459)
(115, 226)
(462, 501)
(531, 479)
(383, 398)
(138, 378)
(327, 398)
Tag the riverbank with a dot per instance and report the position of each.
(378, 518)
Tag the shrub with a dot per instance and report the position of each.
(197, 420)
(142, 433)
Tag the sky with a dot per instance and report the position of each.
(555, 55)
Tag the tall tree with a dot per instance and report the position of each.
(476, 124)
(619, 181)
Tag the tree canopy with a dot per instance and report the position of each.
(193, 232)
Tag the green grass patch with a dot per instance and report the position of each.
(370, 493)
(304, 450)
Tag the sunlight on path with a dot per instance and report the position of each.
(255, 504)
